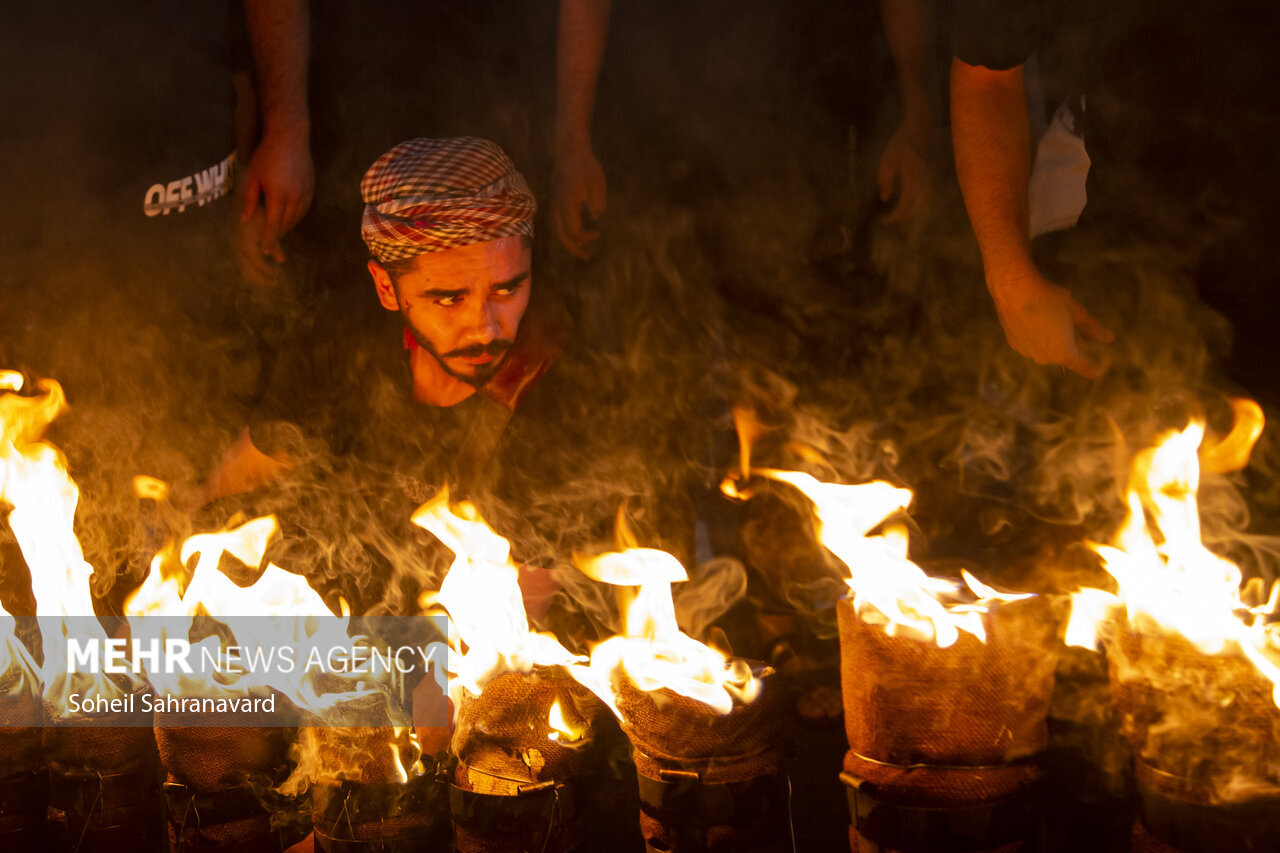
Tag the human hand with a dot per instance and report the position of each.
(577, 181)
(1043, 322)
(263, 268)
(281, 176)
(905, 164)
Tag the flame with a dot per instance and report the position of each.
(888, 588)
(482, 597)
(563, 731)
(1165, 574)
(278, 610)
(653, 653)
(149, 488)
(34, 481)
(1232, 452)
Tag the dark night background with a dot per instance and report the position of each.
(740, 140)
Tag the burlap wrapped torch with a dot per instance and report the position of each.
(371, 793)
(709, 781)
(23, 793)
(943, 741)
(945, 702)
(1205, 735)
(517, 783)
(104, 782)
(705, 730)
(1192, 658)
(215, 776)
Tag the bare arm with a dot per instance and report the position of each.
(991, 134)
(579, 178)
(280, 173)
(909, 28)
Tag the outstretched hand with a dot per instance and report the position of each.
(1043, 322)
(577, 182)
(279, 180)
(904, 164)
(261, 268)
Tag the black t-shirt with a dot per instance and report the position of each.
(123, 113)
(1177, 116)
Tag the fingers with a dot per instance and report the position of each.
(911, 180)
(252, 189)
(908, 202)
(1086, 323)
(263, 269)
(271, 230)
(596, 200)
(570, 228)
(1078, 362)
(885, 176)
(567, 232)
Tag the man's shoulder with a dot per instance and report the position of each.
(544, 336)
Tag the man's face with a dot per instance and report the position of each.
(463, 305)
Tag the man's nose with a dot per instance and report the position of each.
(484, 323)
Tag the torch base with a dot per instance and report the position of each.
(542, 816)
(1178, 817)
(23, 801)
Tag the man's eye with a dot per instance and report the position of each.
(448, 301)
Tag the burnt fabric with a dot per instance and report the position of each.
(505, 749)
(20, 734)
(104, 785)
(709, 781)
(429, 195)
(1209, 720)
(949, 728)
(502, 736)
(216, 767)
(22, 794)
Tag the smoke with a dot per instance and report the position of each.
(741, 261)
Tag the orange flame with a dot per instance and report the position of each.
(481, 594)
(1233, 451)
(562, 730)
(34, 481)
(652, 652)
(279, 610)
(888, 588)
(1165, 573)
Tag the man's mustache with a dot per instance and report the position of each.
(493, 348)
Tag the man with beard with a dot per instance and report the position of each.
(479, 384)
(449, 225)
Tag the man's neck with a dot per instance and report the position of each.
(432, 385)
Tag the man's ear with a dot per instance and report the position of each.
(384, 285)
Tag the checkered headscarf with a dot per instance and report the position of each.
(428, 195)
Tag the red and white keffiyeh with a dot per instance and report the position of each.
(428, 195)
